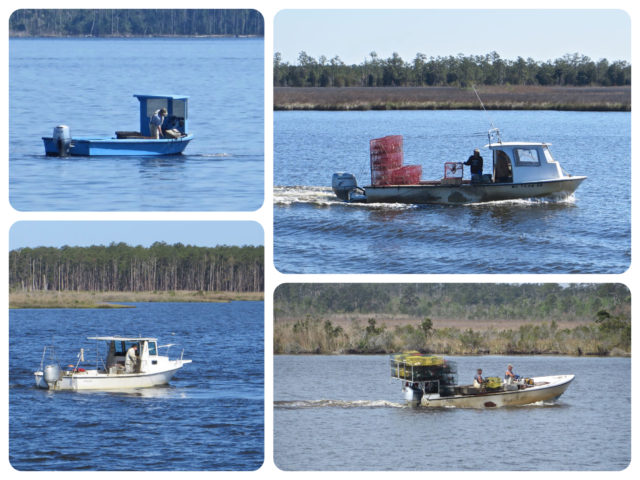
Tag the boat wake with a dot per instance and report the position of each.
(298, 404)
(324, 197)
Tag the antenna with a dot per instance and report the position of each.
(493, 130)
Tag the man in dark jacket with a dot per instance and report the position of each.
(475, 161)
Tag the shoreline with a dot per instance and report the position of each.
(587, 99)
(99, 300)
(525, 354)
(127, 37)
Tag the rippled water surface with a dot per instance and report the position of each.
(344, 413)
(88, 84)
(589, 232)
(210, 417)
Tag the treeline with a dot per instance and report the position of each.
(130, 22)
(453, 71)
(124, 268)
(471, 301)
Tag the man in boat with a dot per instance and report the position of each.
(155, 124)
(509, 376)
(475, 162)
(478, 380)
(131, 359)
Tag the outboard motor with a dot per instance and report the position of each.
(62, 139)
(51, 374)
(344, 185)
(412, 395)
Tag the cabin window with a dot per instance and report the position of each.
(119, 348)
(180, 108)
(154, 104)
(152, 348)
(527, 157)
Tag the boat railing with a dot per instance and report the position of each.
(52, 356)
(168, 346)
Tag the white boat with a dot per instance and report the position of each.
(429, 381)
(519, 170)
(113, 372)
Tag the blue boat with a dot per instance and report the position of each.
(175, 140)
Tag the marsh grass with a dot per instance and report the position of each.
(321, 335)
(85, 299)
(451, 98)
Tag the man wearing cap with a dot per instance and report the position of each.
(509, 376)
(475, 161)
(155, 125)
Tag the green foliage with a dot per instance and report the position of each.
(615, 330)
(540, 302)
(132, 22)
(426, 327)
(459, 71)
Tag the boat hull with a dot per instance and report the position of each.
(87, 147)
(94, 380)
(545, 389)
(470, 193)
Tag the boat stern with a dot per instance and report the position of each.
(345, 187)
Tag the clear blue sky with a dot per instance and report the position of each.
(84, 233)
(539, 34)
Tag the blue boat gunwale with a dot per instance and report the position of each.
(186, 137)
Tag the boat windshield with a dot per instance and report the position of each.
(120, 347)
(527, 157)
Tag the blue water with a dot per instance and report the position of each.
(590, 232)
(89, 85)
(348, 415)
(210, 417)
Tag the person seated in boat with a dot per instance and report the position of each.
(155, 125)
(509, 375)
(478, 379)
(475, 162)
(131, 359)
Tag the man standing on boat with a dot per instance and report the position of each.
(475, 162)
(131, 359)
(155, 125)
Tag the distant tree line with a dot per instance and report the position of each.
(327, 318)
(453, 71)
(130, 22)
(458, 300)
(120, 267)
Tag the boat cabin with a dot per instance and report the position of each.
(517, 162)
(117, 348)
(177, 112)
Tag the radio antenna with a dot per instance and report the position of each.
(493, 130)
